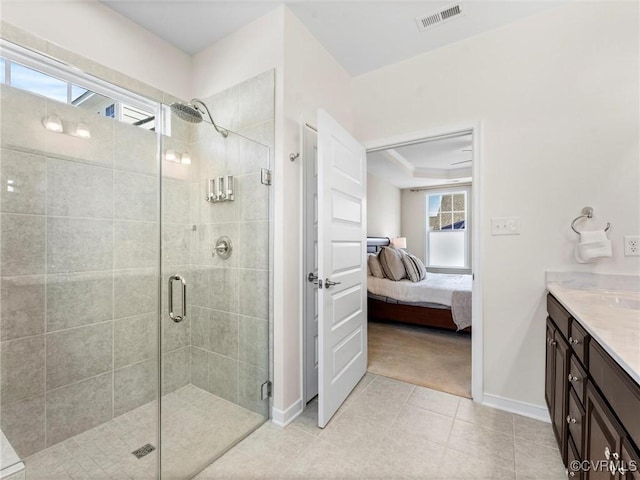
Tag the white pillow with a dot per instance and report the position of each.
(391, 261)
(373, 264)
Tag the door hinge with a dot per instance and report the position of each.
(265, 390)
(265, 177)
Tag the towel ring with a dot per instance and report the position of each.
(587, 212)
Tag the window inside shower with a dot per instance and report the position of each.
(96, 217)
(37, 81)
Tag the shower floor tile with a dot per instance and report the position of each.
(196, 428)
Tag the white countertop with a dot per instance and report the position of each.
(612, 318)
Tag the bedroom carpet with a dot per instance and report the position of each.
(428, 357)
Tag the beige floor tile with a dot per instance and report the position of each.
(307, 421)
(324, 460)
(464, 467)
(265, 454)
(389, 387)
(534, 431)
(486, 417)
(534, 461)
(410, 455)
(417, 421)
(381, 408)
(435, 401)
(482, 443)
(356, 436)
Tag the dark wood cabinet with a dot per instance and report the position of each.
(556, 383)
(593, 403)
(602, 437)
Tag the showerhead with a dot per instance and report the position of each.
(186, 112)
(191, 112)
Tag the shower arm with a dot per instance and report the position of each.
(221, 131)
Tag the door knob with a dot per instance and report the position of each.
(313, 278)
(328, 283)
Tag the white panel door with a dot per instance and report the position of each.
(342, 301)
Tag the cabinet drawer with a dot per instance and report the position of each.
(559, 315)
(579, 339)
(577, 378)
(622, 393)
(575, 420)
(572, 460)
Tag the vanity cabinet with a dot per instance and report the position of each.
(593, 403)
(558, 358)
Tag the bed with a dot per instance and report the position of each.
(440, 300)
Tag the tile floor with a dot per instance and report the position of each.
(196, 427)
(389, 429)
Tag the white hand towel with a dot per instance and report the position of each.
(593, 245)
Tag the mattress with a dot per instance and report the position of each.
(435, 288)
(447, 291)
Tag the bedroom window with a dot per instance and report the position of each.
(447, 230)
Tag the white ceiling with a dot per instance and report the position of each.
(361, 35)
(442, 161)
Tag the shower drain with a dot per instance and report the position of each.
(144, 450)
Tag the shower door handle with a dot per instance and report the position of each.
(172, 316)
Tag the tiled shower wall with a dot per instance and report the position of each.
(78, 264)
(229, 302)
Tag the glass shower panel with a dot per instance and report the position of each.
(79, 269)
(215, 214)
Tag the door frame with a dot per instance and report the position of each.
(475, 128)
(304, 149)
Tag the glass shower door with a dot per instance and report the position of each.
(79, 269)
(215, 331)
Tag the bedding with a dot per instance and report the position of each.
(452, 291)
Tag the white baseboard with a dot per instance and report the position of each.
(515, 406)
(284, 418)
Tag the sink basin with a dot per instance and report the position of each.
(629, 301)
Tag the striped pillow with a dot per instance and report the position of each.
(416, 270)
(391, 261)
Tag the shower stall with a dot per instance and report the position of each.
(134, 273)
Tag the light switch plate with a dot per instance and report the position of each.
(505, 226)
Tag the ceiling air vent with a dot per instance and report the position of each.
(439, 17)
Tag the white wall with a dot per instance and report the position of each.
(312, 79)
(92, 30)
(557, 95)
(243, 54)
(383, 208)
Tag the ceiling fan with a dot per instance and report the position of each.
(463, 161)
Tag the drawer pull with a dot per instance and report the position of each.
(573, 378)
(574, 341)
(551, 341)
(572, 420)
(572, 474)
